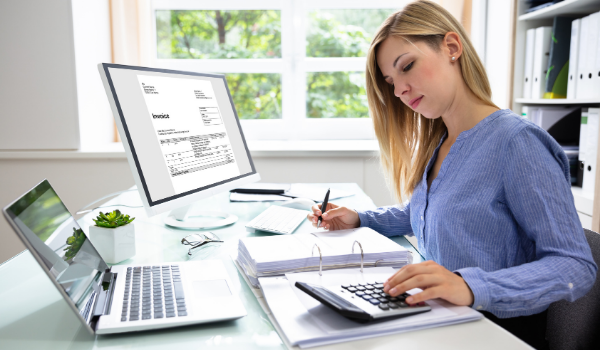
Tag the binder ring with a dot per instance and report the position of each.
(362, 256)
(320, 258)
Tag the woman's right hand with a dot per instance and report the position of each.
(335, 217)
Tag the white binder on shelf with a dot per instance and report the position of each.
(528, 73)
(591, 150)
(583, 130)
(541, 54)
(526, 112)
(582, 90)
(596, 65)
(573, 59)
(592, 39)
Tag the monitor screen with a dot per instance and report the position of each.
(182, 130)
(60, 245)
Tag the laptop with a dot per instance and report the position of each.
(121, 298)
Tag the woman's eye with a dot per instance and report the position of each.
(407, 68)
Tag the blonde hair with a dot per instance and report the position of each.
(407, 140)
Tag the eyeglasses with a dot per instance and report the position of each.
(197, 240)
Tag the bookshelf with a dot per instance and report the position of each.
(587, 204)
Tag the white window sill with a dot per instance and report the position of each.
(258, 149)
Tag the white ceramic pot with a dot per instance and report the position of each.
(114, 244)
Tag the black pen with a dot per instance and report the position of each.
(323, 208)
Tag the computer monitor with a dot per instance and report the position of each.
(182, 137)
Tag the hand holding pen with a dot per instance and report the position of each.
(334, 217)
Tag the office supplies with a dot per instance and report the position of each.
(21, 275)
(591, 150)
(525, 112)
(121, 298)
(541, 53)
(315, 192)
(262, 188)
(583, 135)
(277, 219)
(589, 75)
(557, 77)
(307, 323)
(528, 73)
(323, 208)
(309, 191)
(595, 65)
(298, 203)
(581, 91)
(573, 59)
(277, 255)
(249, 197)
(362, 302)
(182, 139)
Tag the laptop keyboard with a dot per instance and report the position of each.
(153, 292)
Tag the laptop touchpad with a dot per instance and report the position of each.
(212, 288)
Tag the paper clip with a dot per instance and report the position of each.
(320, 258)
(361, 254)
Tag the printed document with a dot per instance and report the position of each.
(189, 128)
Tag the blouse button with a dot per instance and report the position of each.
(421, 217)
(570, 285)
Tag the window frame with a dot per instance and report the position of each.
(293, 67)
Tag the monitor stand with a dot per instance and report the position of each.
(181, 218)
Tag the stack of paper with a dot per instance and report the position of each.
(278, 255)
(307, 323)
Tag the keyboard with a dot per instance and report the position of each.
(277, 219)
(153, 292)
(363, 302)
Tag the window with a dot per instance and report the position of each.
(296, 69)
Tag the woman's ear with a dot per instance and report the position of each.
(452, 46)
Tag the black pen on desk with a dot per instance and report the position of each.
(323, 207)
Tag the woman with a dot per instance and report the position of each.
(490, 199)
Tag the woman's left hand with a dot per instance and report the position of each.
(435, 281)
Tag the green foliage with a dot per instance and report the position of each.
(256, 96)
(210, 34)
(329, 38)
(218, 34)
(336, 95)
(112, 220)
(74, 243)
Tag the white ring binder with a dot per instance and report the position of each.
(320, 258)
(362, 256)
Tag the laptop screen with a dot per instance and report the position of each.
(60, 244)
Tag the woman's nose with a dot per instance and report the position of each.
(398, 90)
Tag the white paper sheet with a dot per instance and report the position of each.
(307, 323)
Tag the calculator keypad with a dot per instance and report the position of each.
(373, 293)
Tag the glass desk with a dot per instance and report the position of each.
(34, 315)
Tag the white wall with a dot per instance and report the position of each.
(38, 93)
(91, 21)
(498, 50)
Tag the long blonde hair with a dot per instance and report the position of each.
(407, 140)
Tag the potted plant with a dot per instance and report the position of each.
(113, 236)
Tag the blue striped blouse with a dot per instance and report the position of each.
(500, 213)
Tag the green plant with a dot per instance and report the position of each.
(112, 220)
(74, 243)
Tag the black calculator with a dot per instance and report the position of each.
(363, 302)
